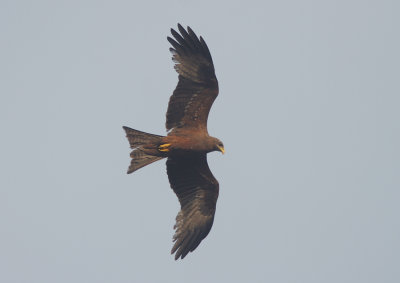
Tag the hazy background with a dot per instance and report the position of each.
(308, 112)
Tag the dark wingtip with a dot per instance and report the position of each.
(190, 30)
(176, 256)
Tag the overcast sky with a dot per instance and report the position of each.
(308, 111)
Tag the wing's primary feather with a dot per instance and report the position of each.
(197, 87)
(197, 191)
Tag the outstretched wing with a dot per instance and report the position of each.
(197, 190)
(197, 87)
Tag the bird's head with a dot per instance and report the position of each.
(219, 146)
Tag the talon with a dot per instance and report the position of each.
(164, 147)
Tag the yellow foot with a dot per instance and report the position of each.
(164, 147)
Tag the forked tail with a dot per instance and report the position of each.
(137, 140)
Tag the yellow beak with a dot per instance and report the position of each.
(221, 149)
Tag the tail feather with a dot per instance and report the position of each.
(141, 159)
(137, 140)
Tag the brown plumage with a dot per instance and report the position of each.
(187, 143)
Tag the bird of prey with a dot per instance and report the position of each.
(187, 142)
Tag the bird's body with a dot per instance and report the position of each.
(187, 142)
(199, 142)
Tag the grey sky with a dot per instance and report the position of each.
(308, 111)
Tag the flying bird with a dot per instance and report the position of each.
(187, 142)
